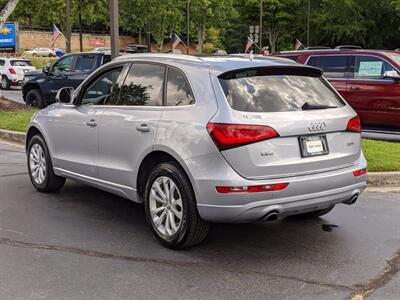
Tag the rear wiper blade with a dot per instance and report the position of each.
(308, 106)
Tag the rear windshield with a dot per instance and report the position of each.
(255, 91)
(20, 63)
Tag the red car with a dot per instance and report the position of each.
(368, 79)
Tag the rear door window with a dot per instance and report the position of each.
(370, 67)
(85, 63)
(178, 90)
(257, 91)
(334, 66)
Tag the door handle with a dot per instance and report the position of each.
(91, 123)
(355, 88)
(143, 128)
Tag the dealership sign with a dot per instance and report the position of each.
(97, 42)
(8, 37)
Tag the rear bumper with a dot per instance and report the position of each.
(304, 193)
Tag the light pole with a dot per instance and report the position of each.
(308, 22)
(68, 32)
(114, 28)
(187, 26)
(261, 23)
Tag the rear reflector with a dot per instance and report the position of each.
(252, 188)
(354, 125)
(358, 173)
(227, 136)
(12, 71)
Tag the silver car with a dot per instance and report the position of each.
(200, 140)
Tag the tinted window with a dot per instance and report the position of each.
(103, 90)
(333, 66)
(143, 85)
(21, 63)
(63, 65)
(106, 59)
(85, 63)
(370, 67)
(275, 93)
(2, 62)
(178, 90)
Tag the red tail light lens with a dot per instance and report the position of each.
(12, 71)
(227, 136)
(252, 189)
(354, 125)
(358, 173)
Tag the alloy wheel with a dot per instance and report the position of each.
(165, 203)
(37, 163)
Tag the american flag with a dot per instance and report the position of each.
(176, 41)
(56, 34)
(248, 44)
(298, 45)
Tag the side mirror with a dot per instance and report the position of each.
(46, 70)
(65, 95)
(392, 75)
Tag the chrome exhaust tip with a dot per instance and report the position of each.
(352, 200)
(271, 216)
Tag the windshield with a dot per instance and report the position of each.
(277, 93)
(21, 63)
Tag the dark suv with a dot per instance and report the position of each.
(40, 88)
(368, 79)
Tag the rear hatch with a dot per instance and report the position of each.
(284, 122)
(21, 67)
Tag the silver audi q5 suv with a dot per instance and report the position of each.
(199, 140)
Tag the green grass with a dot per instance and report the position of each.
(382, 156)
(40, 62)
(15, 120)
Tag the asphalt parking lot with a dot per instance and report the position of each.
(87, 244)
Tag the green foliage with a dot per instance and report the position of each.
(225, 23)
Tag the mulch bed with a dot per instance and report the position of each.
(7, 105)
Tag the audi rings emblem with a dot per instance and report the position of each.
(317, 126)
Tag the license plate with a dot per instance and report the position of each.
(313, 145)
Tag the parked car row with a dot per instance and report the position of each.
(201, 139)
(368, 79)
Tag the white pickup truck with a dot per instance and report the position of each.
(12, 71)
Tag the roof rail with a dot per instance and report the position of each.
(348, 47)
(317, 48)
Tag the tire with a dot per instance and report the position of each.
(49, 182)
(190, 229)
(34, 98)
(315, 214)
(5, 83)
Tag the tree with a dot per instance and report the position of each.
(7, 10)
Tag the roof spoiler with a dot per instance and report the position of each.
(294, 70)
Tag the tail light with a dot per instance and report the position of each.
(252, 188)
(12, 71)
(358, 173)
(227, 136)
(354, 125)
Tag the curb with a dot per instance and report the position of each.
(13, 136)
(374, 179)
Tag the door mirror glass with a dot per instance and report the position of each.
(392, 75)
(65, 95)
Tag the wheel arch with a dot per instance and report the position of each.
(32, 131)
(152, 159)
(28, 87)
